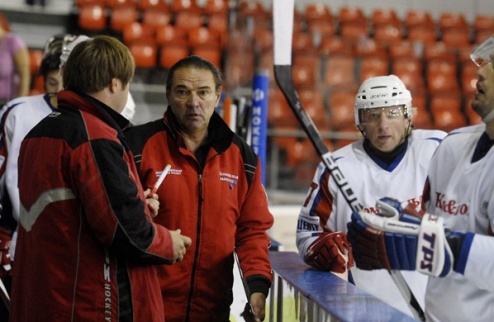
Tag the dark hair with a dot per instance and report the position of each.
(196, 62)
(93, 64)
(51, 55)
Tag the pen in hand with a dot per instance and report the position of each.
(161, 178)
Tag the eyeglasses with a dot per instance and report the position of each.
(373, 115)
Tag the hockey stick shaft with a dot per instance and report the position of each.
(283, 11)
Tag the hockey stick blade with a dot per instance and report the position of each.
(283, 11)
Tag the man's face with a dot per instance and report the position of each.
(483, 101)
(384, 127)
(53, 82)
(193, 97)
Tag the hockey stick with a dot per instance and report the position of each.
(283, 11)
(248, 313)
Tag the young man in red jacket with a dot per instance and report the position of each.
(213, 193)
(87, 248)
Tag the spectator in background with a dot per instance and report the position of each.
(15, 77)
(391, 160)
(213, 194)
(87, 248)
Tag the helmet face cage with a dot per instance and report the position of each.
(69, 42)
(382, 91)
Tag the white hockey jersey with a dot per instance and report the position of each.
(462, 193)
(404, 180)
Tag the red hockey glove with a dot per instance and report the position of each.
(330, 252)
(5, 240)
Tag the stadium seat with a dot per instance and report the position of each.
(421, 118)
(448, 120)
(172, 42)
(354, 32)
(469, 77)
(341, 103)
(385, 16)
(414, 18)
(409, 70)
(138, 32)
(483, 22)
(339, 71)
(422, 34)
(335, 46)
(121, 16)
(145, 54)
(441, 76)
(346, 135)
(405, 48)
(153, 4)
(302, 42)
(388, 34)
(351, 14)
(155, 17)
(279, 112)
(35, 58)
(120, 3)
(92, 17)
(203, 36)
(371, 66)
(187, 14)
(318, 11)
(370, 47)
(312, 100)
(452, 20)
(321, 28)
(455, 38)
(216, 7)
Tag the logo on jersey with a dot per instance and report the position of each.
(451, 207)
(232, 179)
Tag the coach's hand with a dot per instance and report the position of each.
(330, 252)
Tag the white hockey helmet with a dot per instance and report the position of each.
(382, 91)
(69, 42)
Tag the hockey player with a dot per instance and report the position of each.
(391, 159)
(453, 242)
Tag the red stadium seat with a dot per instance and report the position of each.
(138, 32)
(35, 58)
(155, 17)
(145, 54)
(409, 70)
(452, 20)
(339, 71)
(92, 17)
(416, 18)
(371, 66)
(122, 16)
(350, 14)
(422, 34)
(469, 77)
(455, 38)
(341, 106)
(385, 16)
(152, 4)
(354, 31)
(312, 100)
(388, 34)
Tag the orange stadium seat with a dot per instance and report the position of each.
(152, 4)
(354, 31)
(92, 17)
(188, 14)
(341, 104)
(448, 120)
(469, 77)
(138, 32)
(335, 46)
(35, 58)
(173, 45)
(371, 66)
(409, 70)
(350, 14)
(279, 112)
(385, 16)
(80, 3)
(312, 99)
(318, 11)
(216, 6)
(441, 76)
(452, 20)
(339, 71)
(422, 34)
(388, 34)
(121, 16)
(120, 3)
(145, 54)
(405, 48)
(156, 17)
(472, 116)
(455, 38)
(416, 18)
